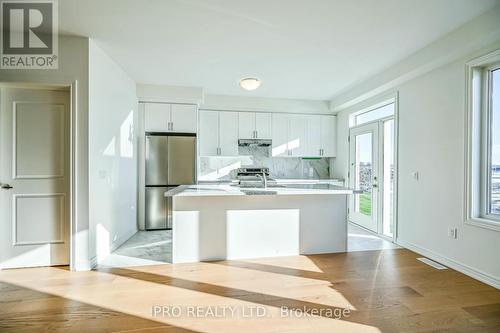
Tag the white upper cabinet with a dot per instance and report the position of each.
(228, 133)
(263, 125)
(329, 136)
(293, 135)
(246, 125)
(279, 135)
(162, 117)
(254, 125)
(218, 133)
(183, 118)
(209, 133)
(156, 117)
(297, 135)
(313, 136)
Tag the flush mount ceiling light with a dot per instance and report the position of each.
(249, 83)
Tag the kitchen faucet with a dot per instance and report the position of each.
(264, 178)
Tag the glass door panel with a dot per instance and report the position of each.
(363, 175)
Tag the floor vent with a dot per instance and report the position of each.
(432, 263)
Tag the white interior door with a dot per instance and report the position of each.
(34, 177)
(364, 155)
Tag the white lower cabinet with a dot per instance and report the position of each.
(218, 133)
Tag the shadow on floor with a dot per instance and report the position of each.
(26, 310)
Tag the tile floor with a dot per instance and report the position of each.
(361, 240)
(155, 247)
(143, 248)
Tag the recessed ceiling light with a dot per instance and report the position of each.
(249, 83)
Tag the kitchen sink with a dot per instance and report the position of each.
(259, 192)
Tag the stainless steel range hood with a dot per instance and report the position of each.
(254, 142)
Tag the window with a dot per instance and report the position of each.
(483, 146)
(381, 111)
(493, 149)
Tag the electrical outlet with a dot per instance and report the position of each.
(452, 233)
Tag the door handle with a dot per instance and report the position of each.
(6, 187)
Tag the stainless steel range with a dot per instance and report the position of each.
(254, 177)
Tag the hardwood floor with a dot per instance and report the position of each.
(373, 291)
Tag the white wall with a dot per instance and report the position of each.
(112, 153)
(169, 94)
(432, 142)
(73, 68)
(243, 103)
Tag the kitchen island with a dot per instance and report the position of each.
(217, 222)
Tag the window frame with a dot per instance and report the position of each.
(486, 191)
(352, 117)
(478, 143)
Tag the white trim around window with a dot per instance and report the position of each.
(478, 142)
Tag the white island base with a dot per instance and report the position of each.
(218, 227)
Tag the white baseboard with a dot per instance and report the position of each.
(83, 265)
(462, 268)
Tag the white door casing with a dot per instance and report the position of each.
(34, 162)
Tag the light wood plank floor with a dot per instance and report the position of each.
(384, 291)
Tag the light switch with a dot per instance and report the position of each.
(414, 175)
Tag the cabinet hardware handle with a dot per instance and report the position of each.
(6, 187)
(256, 134)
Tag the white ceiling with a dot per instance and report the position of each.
(308, 49)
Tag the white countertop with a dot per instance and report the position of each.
(225, 190)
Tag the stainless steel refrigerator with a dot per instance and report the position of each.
(170, 162)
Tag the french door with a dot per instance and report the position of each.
(363, 175)
(372, 172)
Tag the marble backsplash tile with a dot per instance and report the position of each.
(223, 168)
